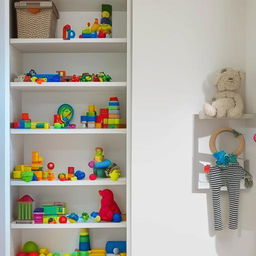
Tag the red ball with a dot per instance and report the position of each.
(33, 254)
(63, 219)
(92, 177)
(50, 166)
(21, 254)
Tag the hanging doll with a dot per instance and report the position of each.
(227, 172)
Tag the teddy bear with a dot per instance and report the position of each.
(108, 205)
(227, 101)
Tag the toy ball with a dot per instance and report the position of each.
(116, 251)
(50, 166)
(85, 216)
(94, 214)
(62, 176)
(97, 218)
(92, 177)
(30, 246)
(33, 254)
(21, 254)
(27, 176)
(80, 175)
(73, 217)
(63, 219)
(117, 217)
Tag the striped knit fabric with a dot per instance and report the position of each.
(229, 176)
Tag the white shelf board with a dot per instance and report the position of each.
(68, 86)
(122, 224)
(202, 116)
(67, 131)
(97, 182)
(88, 5)
(58, 45)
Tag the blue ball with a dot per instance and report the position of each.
(80, 175)
(117, 217)
(94, 214)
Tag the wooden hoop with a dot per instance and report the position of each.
(240, 137)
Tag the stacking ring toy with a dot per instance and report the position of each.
(66, 112)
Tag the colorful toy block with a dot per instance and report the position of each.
(25, 206)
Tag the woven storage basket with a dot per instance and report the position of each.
(36, 19)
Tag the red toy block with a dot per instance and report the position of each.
(113, 99)
(71, 170)
(25, 116)
(15, 125)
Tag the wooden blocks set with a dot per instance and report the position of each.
(25, 123)
(109, 117)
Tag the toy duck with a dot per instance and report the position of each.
(95, 26)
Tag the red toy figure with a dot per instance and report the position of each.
(108, 205)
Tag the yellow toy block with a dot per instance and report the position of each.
(27, 168)
(98, 252)
(46, 126)
(114, 121)
(44, 251)
(105, 121)
(20, 168)
(91, 108)
(45, 175)
(73, 178)
(16, 174)
(98, 125)
(123, 254)
(39, 175)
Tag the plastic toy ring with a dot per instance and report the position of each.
(240, 137)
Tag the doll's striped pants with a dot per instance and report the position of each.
(229, 176)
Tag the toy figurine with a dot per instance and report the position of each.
(68, 33)
(108, 205)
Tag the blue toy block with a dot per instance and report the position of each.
(91, 118)
(111, 245)
(22, 124)
(49, 77)
(114, 103)
(84, 119)
(114, 112)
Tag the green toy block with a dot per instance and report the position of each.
(113, 107)
(90, 113)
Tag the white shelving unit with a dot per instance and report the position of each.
(58, 45)
(75, 147)
(69, 226)
(68, 131)
(98, 182)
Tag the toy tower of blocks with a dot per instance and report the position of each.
(89, 120)
(37, 165)
(114, 115)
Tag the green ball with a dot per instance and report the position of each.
(27, 176)
(30, 247)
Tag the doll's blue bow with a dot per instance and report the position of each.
(223, 158)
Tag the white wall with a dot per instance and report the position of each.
(176, 44)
